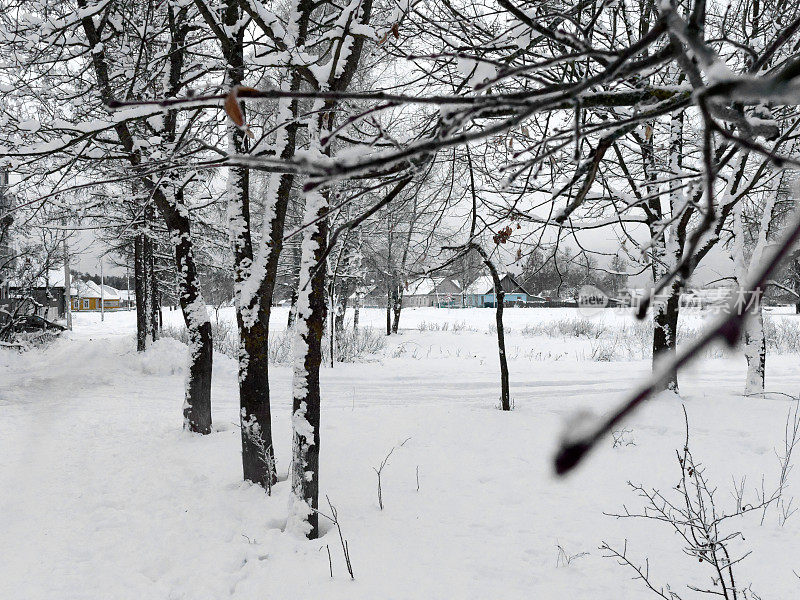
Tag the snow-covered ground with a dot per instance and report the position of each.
(105, 497)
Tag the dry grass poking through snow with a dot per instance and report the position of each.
(352, 346)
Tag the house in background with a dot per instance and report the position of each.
(85, 295)
(475, 292)
(441, 292)
(46, 293)
(368, 296)
(482, 293)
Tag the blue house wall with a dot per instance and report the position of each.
(510, 297)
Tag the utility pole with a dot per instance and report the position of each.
(67, 286)
(102, 293)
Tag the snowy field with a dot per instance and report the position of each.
(105, 497)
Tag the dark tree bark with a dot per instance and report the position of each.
(665, 330)
(152, 289)
(397, 305)
(306, 401)
(499, 297)
(140, 289)
(258, 457)
(290, 320)
(389, 294)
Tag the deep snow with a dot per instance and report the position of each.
(105, 497)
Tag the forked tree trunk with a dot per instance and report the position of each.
(255, 275)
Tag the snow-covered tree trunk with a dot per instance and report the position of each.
(397, 305)
(252, 317)
(754, 344)
(665, 328)
(311, 311)
(666, 252)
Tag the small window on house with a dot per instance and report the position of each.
(86, 304)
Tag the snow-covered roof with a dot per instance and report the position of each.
(426, 285)
(482, 285)
(90, 289)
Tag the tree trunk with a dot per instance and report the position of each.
(290, 320)
(665, 330)
(397, 306)
(308, 356)
(152, 289)
(389, 288)
(140, 287)
(499, 295)
(197, 405)
(356, 311)
(333, 316)
(755, 349)
(341, 310)
(505, 394)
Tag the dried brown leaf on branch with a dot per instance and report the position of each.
(502, 236)
(234, 110)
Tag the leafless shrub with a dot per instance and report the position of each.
(564, 559)
(791, 438)
(602, 351)
(782, 335)
(459, 326)
(358, 345)
(695, 516)
(351, 346)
